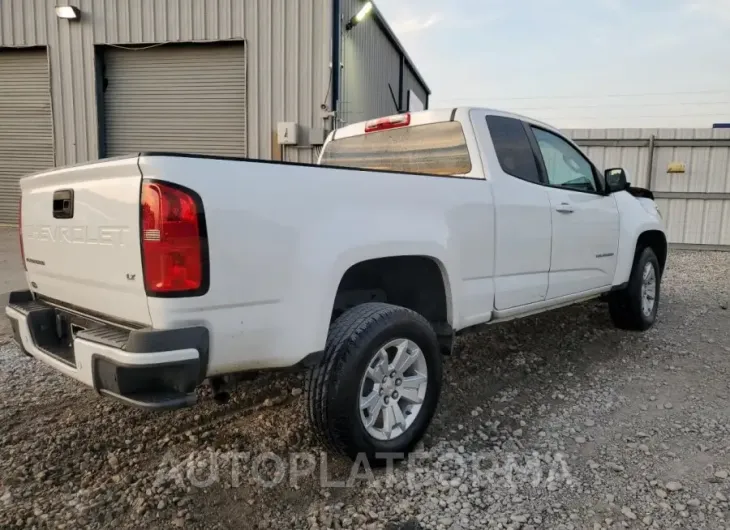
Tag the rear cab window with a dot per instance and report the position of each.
(438, 148)
(513, 148)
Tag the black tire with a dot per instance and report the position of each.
(625, 306)
(333, 386)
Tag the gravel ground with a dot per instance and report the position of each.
(554, 421)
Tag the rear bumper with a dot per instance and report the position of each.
(146, 368)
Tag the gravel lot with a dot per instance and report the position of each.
(554, 421)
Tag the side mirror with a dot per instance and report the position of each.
(615, 180)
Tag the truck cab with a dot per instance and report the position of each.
(558, 231)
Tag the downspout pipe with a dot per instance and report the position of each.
(336, 58)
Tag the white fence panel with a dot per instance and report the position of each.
(688, 170)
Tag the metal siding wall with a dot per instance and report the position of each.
(288, 53)
(708, 168)
(695, 221)
(688, 220)
(19, 26)
(370, 63)
(411, 82)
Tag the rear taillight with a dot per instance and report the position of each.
(20, 232)
(389, 122)
(174, 242)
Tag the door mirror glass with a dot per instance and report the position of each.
(615, 180)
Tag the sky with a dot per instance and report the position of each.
(574, 63)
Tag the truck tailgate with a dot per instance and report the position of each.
(80, 234)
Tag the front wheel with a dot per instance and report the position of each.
(378, 385)
(635, 307)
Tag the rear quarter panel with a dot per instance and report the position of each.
(281, 237)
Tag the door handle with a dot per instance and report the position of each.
(63, 204)
(564, 208)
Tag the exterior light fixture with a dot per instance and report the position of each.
(354, 21)
(68, 12)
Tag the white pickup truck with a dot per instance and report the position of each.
(151, 273)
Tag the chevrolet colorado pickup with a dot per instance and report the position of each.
(150, 274)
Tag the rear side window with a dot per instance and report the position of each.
(431, 149)
(513, 148)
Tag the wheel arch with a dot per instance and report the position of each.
(402, 278)
(657, 241)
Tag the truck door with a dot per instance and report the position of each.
(523, 216)
(585, 222)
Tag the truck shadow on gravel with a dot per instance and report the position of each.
(525, 356)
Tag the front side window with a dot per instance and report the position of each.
(566, 166)
(432, 149)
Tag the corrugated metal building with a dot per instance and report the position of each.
(205, 76)
(377, 73)
(688, 170)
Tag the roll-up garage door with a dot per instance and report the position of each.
(183, 98)
(26, 124)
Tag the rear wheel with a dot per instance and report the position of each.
(378, 385)
(635, 307)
